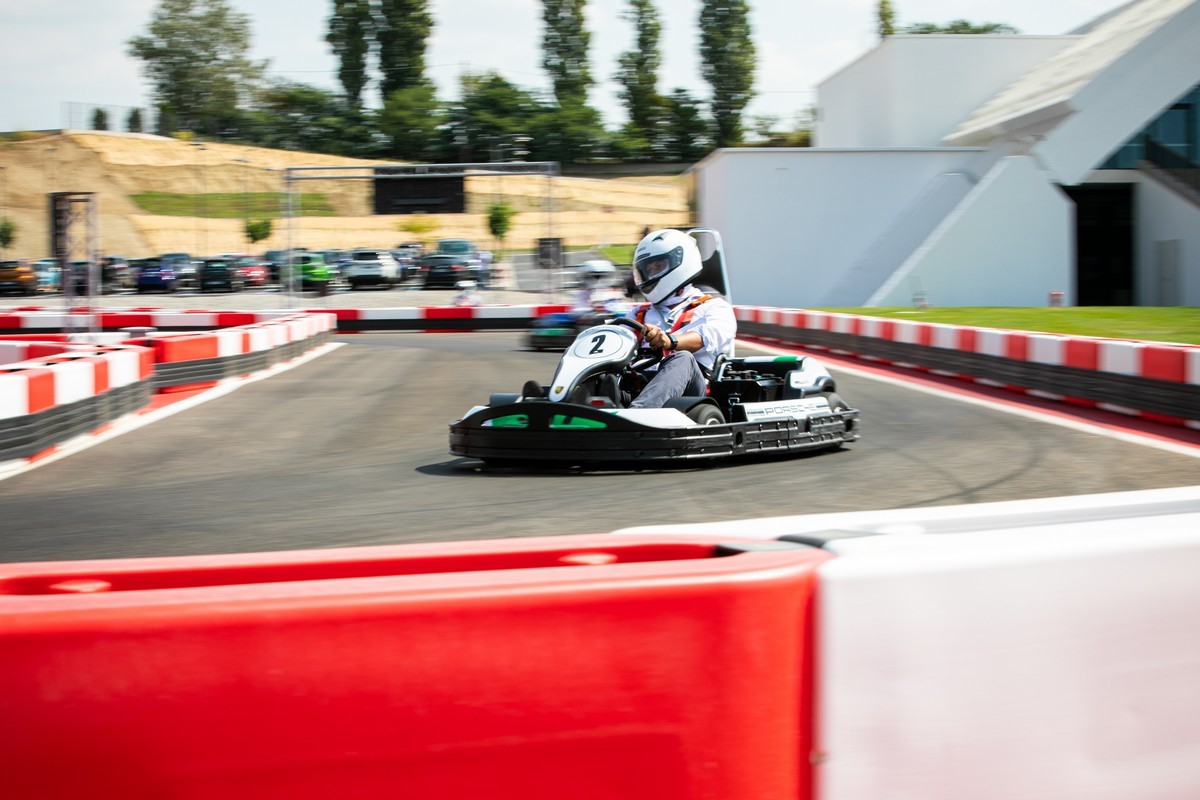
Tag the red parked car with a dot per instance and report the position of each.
(255, 272)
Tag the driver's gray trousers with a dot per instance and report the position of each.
(678, 375)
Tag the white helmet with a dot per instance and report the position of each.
(663, 262)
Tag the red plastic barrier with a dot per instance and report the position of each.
(566, 667)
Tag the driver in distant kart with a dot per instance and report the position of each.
(689, 326)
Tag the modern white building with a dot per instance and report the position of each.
(989, 170)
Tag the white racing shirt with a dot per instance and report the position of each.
(713, 320)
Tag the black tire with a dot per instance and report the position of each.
(705, 414)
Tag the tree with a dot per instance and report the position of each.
(638, 73)
(490, 109)
(728, 58)
(887, 19)
(295, 116)
(402, 30)
(565, 43)
(413, 119)
(8, 233)
(257, 230)
(194, 55)
(961, 26)
(99, 120)
(500, 221)
(568, 134)
(686, 137)
(350, 29)
(134, 123)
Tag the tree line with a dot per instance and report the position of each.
(194, 54)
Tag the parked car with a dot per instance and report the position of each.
(440, 271)
(464, 250)
(220, 273)
(312, 270)
(406, 256)
(79, 276)
(335, 260)
(153, 275)
(115, 273)
(255, 272)
(49, 275)
(275, 261)
(183, 268)
(309, 271)
(18, 276)
(371, 268)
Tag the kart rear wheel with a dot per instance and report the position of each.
(705, 414)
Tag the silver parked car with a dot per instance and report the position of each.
(371, 268)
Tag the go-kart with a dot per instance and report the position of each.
(557, 331)
(755, 405)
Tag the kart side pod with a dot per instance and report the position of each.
(614, 666)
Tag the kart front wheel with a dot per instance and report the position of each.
(705, 414)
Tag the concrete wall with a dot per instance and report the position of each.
(1167, 254)
(913, 90)
(1009, 243)
(796, 222)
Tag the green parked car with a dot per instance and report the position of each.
(312, 271)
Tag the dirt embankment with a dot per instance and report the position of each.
(117, 166)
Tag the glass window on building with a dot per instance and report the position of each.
(1176, 132)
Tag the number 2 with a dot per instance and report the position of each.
(597, 344)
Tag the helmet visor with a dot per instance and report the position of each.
(651, 268)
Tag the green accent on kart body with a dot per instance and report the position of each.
(558, 421)
(574, 423)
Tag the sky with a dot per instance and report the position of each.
(67, 52)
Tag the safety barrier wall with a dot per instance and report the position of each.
(30, 319)
(54, 387)
(1037, 648)
(1152, 380)
(577, 666)
(52, 392)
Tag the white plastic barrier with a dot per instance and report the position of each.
(1046, 648)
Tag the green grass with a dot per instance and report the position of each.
(254, 205)
(1119, 322)
(619, 253)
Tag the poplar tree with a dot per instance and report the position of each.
(638, 72)
(565, 43)
(728, 58)
(887, 19)
(350, 32)
(402, 34)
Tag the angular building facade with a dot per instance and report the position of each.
(991, 170)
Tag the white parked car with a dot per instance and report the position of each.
(371, 268)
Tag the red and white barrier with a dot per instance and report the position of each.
(1176, 363)
(1039, 648)
(586, 667)
(36, 376)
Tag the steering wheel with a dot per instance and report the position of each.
(647, 356)
(632, 323)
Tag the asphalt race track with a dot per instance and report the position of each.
(351, 449)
